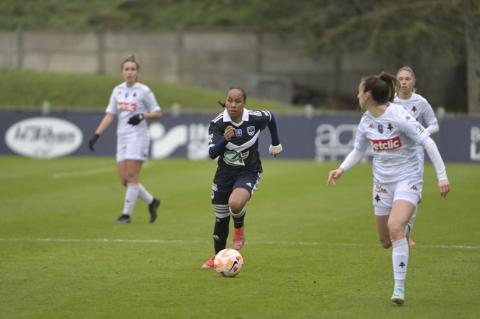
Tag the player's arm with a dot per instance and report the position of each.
(437, 161)
(359, 149)
(430, 119)
(275, 148)
(104, 124)
(351, 160)
(218, 139)
(153, 107)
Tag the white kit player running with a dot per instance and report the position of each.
(421, 110)
(393, 134)
(133, 103)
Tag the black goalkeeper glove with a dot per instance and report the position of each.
(136, 119)
(92, 142)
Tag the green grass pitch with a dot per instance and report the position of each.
(311, 251)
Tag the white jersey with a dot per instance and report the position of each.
(126, 102)
(419, 108)
(393, 136)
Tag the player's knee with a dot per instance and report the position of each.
(124, 182)
(395, 229)
(236, 207)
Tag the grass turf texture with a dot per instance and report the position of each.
(311, 250)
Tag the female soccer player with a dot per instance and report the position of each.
(134, 103)
(420, 109)
(397, 174)
(233, 138)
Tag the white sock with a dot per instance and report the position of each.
(400, 261)
(144, 194)
(131, 196)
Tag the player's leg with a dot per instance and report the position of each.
(407, 195)
(399, 216)
(221, 190)
(382, 230)
(132, 171)
(243, 190)
(237, 209)
(382, 199)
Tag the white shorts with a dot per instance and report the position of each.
(133, 148)
(384, 195)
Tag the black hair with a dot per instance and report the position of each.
(244, 94)
(382, 87)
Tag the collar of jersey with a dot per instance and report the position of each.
(227, 118)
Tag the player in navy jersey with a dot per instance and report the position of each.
(397, 174)
(133, 103)
(233, 138)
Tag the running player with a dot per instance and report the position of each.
(134, 103)
(420, 109)
(233, 138)
(397, 174)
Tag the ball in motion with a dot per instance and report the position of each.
(228, 262)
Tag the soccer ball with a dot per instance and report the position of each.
(228, 262)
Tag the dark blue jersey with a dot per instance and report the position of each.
(241, 152)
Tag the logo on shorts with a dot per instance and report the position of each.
(214, 187)
(251, 130)
(377, 198)
(390, 144)
(414, 187)
(380, 189)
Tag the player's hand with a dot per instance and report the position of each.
(229, 133)
(275, 149)
(334, 175)
(136, 119)
(92, 142)
(444, 187)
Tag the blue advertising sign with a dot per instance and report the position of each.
(322, 138)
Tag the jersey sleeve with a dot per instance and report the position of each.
(361, 142)
(429, 117)
(215, 134)
(151, 102)
(262, 118)
(412, 128)
(112, 103)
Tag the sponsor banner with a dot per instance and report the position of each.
(43, 137)
(316, 138)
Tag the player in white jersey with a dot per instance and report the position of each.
(133, 103)
(420, 109)
(397, 175)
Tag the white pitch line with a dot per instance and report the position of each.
(197, 242)
(88, 172)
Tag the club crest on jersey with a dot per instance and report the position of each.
(380, 128)
(238, 132)
(251, 130)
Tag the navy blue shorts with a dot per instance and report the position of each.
(224, 184)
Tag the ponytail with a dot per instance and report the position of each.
(382, 87)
